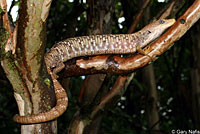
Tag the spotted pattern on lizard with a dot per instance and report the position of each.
(86, 46)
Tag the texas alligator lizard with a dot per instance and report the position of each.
(85, 46)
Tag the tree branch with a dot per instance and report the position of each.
(138, 16)
(5, 16)
(11, 6)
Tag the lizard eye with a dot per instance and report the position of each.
(162, 21)
(148, 31)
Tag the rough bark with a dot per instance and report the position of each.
(25, 69)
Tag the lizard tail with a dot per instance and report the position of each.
(59, 109)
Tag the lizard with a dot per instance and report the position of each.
(87, 46)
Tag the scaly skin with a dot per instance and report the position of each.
(85, 46)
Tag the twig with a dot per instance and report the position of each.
(11, 42)
(119, 84)
(176, 7)
(168, 11)
(11, 6)
(118, 89)
(138, 16)
(5, 16)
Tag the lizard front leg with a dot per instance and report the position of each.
(141, 51)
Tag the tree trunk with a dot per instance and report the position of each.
(26, 70)
(151, 98)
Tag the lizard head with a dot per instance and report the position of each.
(155, 29)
